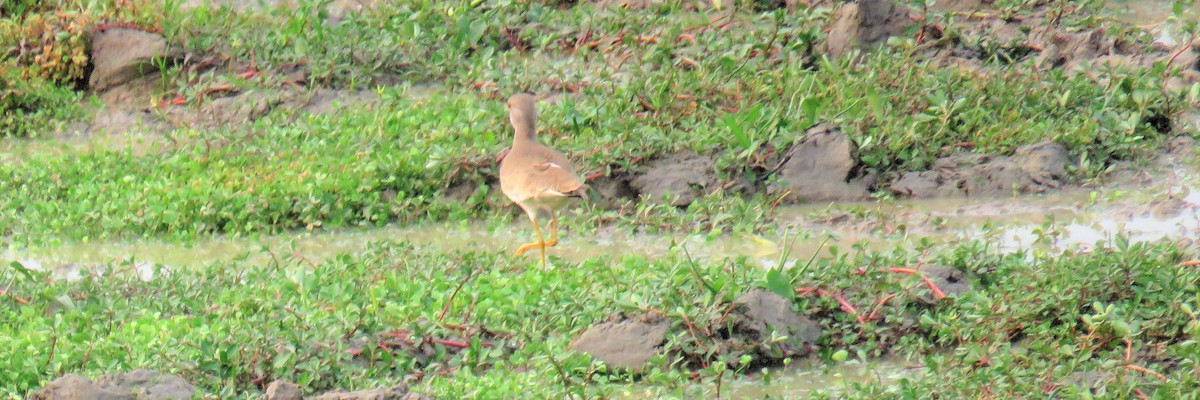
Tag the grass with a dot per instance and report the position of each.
(636, 84)
(1032, 320)
(736, 86)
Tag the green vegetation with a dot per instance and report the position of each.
(741, 84)
(1032, 321)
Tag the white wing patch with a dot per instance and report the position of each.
(547, 165)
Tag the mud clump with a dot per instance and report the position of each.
(122, 55)
(760, 315)
(1033, 169)
(749, 325)
(613, 190)
(823, 167)
(625, 342)
(139, 384)
(283, 390)
(677, 179)
(865, 23)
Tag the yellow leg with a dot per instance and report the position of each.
(553, 231)
(541, 243)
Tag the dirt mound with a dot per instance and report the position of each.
(677, 179)
(283, 390)
(823, 167)
(139, 384)
(749, 325)
(122, 55)
(989, 36)
(613, 190)
(760, 315)
(1034, 168)
(865, 23)
(625, 342)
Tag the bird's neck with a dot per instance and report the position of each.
(526, 132)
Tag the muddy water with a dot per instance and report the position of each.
(799, 380)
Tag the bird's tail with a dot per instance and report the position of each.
(583, 192)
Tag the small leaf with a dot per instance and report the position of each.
(875, 102)
(22, 270)
(776, 282)
(66, 302)
(811, 108)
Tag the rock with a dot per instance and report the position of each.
(139, 384)
(398, 392)
(864, 24)
(761, 315)
(625, 342)
(75, 387)
(1046, 162)
(121, 55)
(679, 179)
(949, 281)
(283, 390)
(824, 167)
(148, 385)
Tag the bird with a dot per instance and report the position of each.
(537, 178)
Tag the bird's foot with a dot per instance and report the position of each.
(529, 246)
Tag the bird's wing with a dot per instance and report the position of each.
(554, 173)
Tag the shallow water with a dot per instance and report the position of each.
(799, 380)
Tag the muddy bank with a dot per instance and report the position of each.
(748, 326)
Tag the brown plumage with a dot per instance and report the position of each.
(537, 178)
